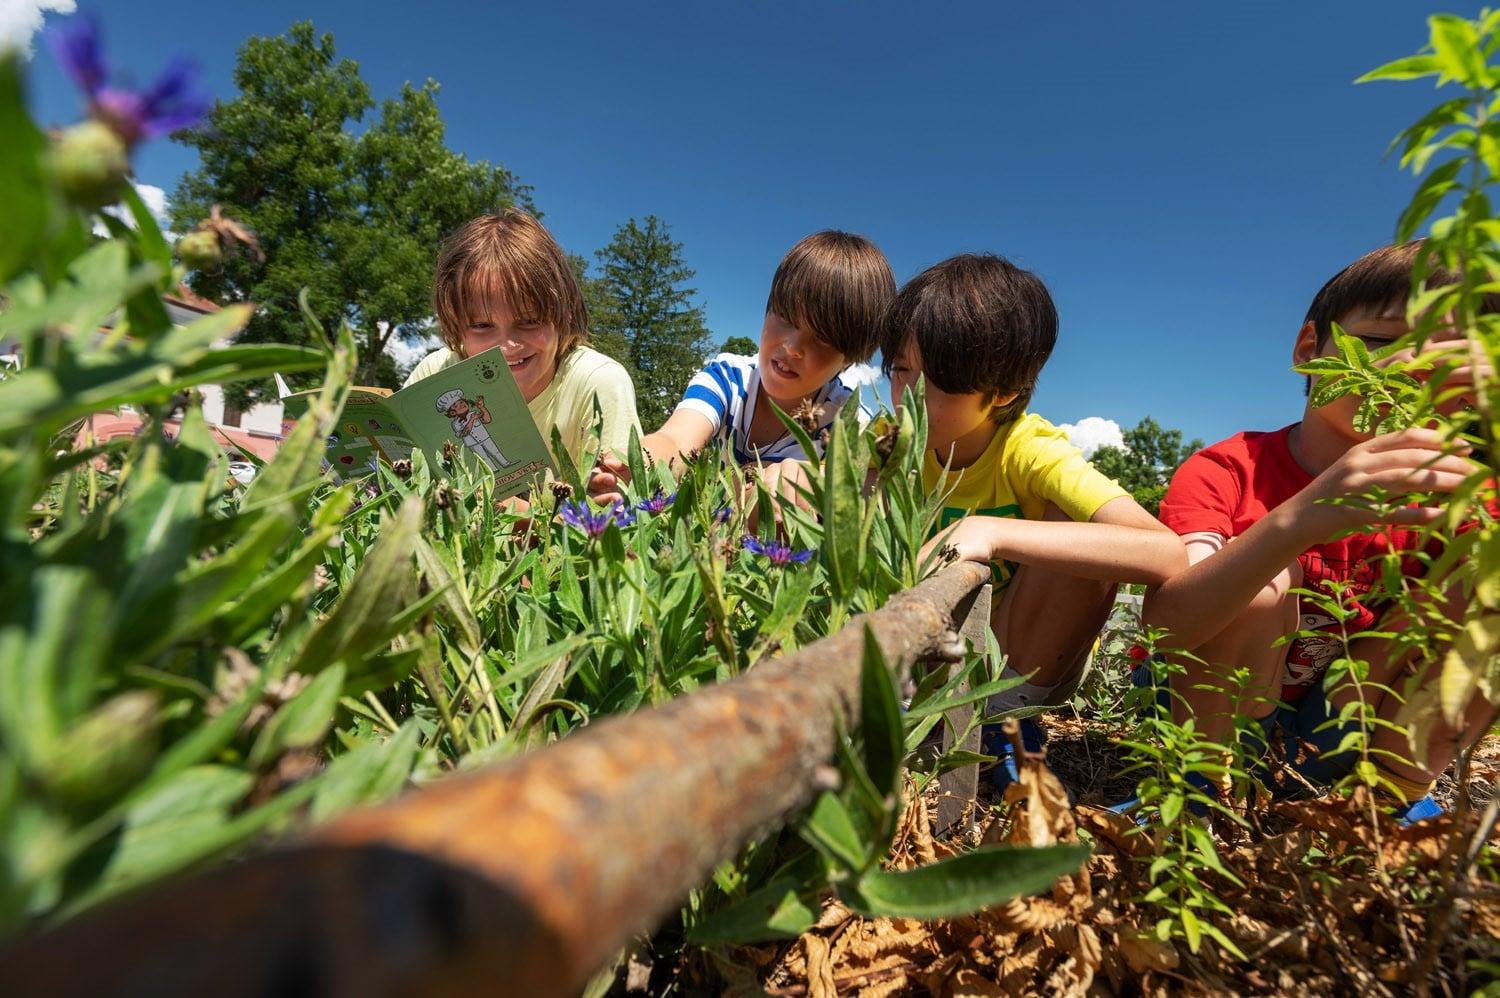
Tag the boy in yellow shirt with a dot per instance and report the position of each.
(1060, 535)
(502, 280)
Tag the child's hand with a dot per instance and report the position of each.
(789, 480)
(1414, 460)
(974, 539)
(608, 479)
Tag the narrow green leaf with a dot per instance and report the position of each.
(963, 884)
(880, 718)
(829, 827)
(776, 911)
(303, 720)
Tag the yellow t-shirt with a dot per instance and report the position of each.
(1029, 464)
(568, 401)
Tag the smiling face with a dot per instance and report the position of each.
(530, 344)
(458, 409)
(794, 363)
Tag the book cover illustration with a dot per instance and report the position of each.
(474, 405)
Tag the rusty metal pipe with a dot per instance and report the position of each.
(522, 878)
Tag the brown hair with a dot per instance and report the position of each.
(511, 257)
(980, 323)
(835, 285)
(1380, 280)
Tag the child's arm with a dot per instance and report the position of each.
(1121, 543)
(683, 433)
(1198, 603)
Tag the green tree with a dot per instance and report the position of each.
(742, 345)
(1144, 465)
(356, 218)
(650, 316)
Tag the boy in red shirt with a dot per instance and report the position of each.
(1252, 511)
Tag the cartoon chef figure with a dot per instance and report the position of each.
(469, 419)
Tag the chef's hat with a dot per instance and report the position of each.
(445, 401)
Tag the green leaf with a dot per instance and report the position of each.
(829, 827)
(303, 720)
(371, 773)
(963, 884)
(981, 692)
(1190, 928)
(23, 223)
(842, 520)
(381, 588)
(776, 911)
(880, 718)
(1410, 67)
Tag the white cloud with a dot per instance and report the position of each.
(155, 200)
(154, 197)
(20, 20)
(861, 374)
(1092, 432)
(406, 354)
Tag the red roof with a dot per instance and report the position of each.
(184, 297)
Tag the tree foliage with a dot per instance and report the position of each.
(742, 345)
(645, 316)
(1144, 465)
(355, 217)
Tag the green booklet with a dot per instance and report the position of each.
(473, 405)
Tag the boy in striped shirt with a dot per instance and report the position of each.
(823, 314)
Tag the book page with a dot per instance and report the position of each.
(368, 431)
(476, 406)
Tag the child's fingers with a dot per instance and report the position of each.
(1415, 516)
(1414, 437)
(1421, 460)
(1418, 480)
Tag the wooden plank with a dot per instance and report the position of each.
(960, 787)
(519, 878)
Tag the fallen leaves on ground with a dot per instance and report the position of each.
(1338, 898)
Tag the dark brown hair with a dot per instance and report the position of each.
(1379, 281)
(980, 324)
(835, 285)
(509, 257)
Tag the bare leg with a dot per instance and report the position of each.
(1046, 623)
(1406, 674)
(1206, 690)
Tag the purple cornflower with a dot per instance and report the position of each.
(722, 514)
(777, 553)
(656, 503)
(170, 104)
(579, 515)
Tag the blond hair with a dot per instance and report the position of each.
(508, 257)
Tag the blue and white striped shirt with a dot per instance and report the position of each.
(725, 392)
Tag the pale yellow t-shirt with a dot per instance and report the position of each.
(568, 402)
(1029, 464)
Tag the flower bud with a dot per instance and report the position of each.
(107, 751)
(200, 251)
(90, 163)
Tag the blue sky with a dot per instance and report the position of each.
(1182, 175)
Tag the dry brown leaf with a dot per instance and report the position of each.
(833, 915)
(1118, 831)
(883, 989)
(1045, 817)
(819, 968)
(1145, 953)
(969, 983)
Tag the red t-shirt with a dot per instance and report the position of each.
(1225, 488)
